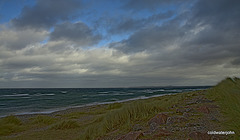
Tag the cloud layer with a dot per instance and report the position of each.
(78, 33)
(46, 13)
(144, 43)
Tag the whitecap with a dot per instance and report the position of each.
(51, 94)
(103, 92)
(40, 94)
(15, 95)
(159, 90)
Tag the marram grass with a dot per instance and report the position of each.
(126, 115)
(9, 125)
(227, 95)
(65, 124)
(43, 119)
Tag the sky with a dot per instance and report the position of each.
(118, 43)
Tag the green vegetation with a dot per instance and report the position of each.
(114, 106)
(11, 120)
(126, 115)
(43, 120)
(9, 125)
(118, 118)
(227, 95)
(66, 124)
(73, 115)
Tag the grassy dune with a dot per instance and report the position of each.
(123, 118)
(227, 96)
(109, 121)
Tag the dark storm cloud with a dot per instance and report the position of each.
(217, 12)
(46, 13)
(78, 32)
(212, 44)
(208, 34)
(218, 30)
(150, 4)
(129, 24)
(90, 81)
(150, 39)
(236, 62)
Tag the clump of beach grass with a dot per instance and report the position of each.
(114, 106)
(11, 120)
(65, 124)
(43, 119)
(10, 124)
(124, 115)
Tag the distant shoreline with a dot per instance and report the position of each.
(140, 87)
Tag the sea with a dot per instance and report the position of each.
(47, 100)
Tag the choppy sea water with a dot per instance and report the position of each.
(30, 101)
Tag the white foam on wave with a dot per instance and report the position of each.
(15, 95)
(158, 90)
(194, 89)
(41, 94)
(51, 94)
(112, 94)
(95, 95)
(123, 93)
(174, 90)
(104, 92)
(120, 101)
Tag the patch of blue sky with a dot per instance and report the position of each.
(45, 41)
(112, 39)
